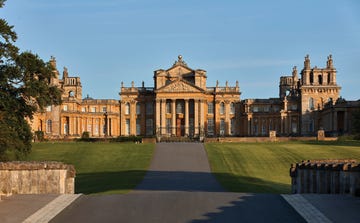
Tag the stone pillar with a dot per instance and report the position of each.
(196, 117)
(163, 116)
(132, 118)
(122, 118)
(227, 118)
(173, 115)
(186, 117)
(201, 116)
(158, 115)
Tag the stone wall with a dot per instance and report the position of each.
(36, 178)
(326, 177)
(266, 139)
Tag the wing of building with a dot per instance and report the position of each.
(180, 104)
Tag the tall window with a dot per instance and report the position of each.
(149, 108)
(222, 108)
(168, 126)
(210, 127)
(222, 126)
(179, 107)
(311, 78)
(168, 107)
(93, 109)
(210, 108)
(149, 127)
(138, 109)
(311, 104)
(104, 109)
(127, 108)
(320, 78)
(49, 126)
(65, 108)
(232, 108)
(232, 126)
(127, 127)
(138, 126)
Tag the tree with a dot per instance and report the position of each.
(25, 88)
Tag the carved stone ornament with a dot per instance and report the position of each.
(179, 87)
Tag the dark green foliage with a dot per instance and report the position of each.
(39, 136)
(128, 139)
(85, 135)
(24, 89)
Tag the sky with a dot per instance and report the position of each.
(254, 42)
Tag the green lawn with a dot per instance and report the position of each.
(105, 168)
(264, 167)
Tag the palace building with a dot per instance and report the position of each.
(180, 104)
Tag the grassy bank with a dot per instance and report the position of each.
(264, 167)
(105, 168)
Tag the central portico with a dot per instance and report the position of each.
(180, 104)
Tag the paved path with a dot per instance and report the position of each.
(180, 188)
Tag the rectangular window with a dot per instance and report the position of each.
(138, 126)
(210, 127)
(65, 108)
(104, 109)
(48, 108)
(255, 109)
(168, 107)
(149, 108)
(49, 126)
(210, 108)
(138, 109)
(168, 126)
(127, 127)
(93, 109)
(149, 127)
(222, 126)
(83, 109)
(232, 126)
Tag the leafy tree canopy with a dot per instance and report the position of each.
(25, 87)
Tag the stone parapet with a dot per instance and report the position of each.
(334, 176)
(36, 178)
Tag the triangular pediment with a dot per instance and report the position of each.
(179, 70)
(179, 86)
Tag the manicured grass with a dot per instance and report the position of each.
(264, 167)
(105, 168)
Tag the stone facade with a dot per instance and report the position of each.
(36, 178)
(180, 104)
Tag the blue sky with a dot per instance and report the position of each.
(255, 42)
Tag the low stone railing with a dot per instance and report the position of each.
(36, 178)
(326, 177)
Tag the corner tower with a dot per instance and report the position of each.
(317, 87)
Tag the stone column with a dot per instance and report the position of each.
(201, 116)
(187, 117)
(163, 116)
(173, 115)
(158, 113)
(196, 117)
(122, 118)
(227, 118)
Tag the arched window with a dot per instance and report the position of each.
(127, 108)
(311, 104)
(311, 78)
(71, 94)
(222, 108)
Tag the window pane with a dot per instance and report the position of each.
(210, 108)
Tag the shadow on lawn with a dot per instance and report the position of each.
(122, 182)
